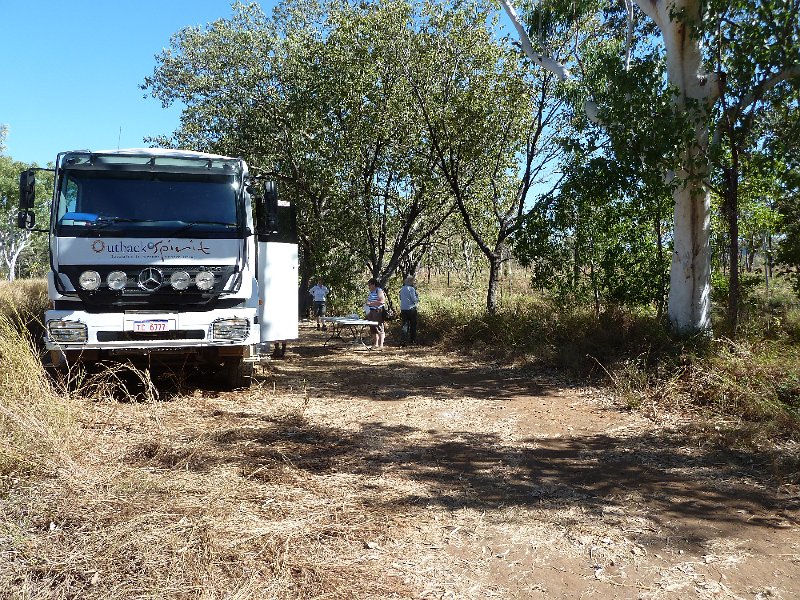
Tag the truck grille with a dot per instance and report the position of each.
(134, 336)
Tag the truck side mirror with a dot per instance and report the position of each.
(27, 189)
(267, 210)
(26, 219)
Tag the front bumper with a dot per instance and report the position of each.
(148, 331)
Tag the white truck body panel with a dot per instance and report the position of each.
(278, 299)
(150, 251)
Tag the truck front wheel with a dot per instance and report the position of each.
(238, 373)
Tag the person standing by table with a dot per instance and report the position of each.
(319, 293)
(376, 301)
(409, 300)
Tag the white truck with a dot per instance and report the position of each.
(166, 257)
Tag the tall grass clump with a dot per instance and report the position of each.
(752, 380)
(33, 418)
(24, 302)
(532, 328)
(461, 323)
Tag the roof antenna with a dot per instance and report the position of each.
(119, 136)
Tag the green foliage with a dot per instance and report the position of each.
(378, 118)
(755, 380)
(484, 111)
(598, 246)
(720, 286)
(23, 251)
(786, 142)
(317, 95)
(603, 237)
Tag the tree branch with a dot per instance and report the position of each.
(546, 62)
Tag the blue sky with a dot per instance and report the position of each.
(71, 71)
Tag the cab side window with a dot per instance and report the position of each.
(68, 197)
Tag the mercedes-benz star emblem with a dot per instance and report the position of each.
(150, 279)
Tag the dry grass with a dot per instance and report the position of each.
(753, 381)
(34, 419)
(24, 302)
(192, 512)
(445, 479)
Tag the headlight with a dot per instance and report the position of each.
(180, 280)
(230, 329)
(204, 280)
(89, 280)
(67, 331)
(117, 280)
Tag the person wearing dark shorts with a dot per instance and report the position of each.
(376, 300)
(318, 294)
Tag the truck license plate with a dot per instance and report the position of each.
(153, 325)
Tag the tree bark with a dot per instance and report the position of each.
(731, 211)
(690, 274)
(495, 266)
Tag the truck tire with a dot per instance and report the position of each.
(238, 373)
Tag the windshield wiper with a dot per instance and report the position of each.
(188, 226)
(102, 222)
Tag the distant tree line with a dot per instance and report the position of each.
(414, 133)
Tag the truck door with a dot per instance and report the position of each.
(277, 269)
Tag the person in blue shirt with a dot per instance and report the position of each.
(319, 293)
(376, 301)
(409, 301)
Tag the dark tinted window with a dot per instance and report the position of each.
(158, 203)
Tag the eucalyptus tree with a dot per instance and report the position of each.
(314, 96)
(388, 175)
(680, 23)
(251, 87)
(604, 235)
(688, 29)
(756, 49)
(489, 121)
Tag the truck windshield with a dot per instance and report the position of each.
(139, 204)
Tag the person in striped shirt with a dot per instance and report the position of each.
(376, 300)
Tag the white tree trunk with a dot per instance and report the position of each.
(690, 275)
(12, 246)
(689, 306)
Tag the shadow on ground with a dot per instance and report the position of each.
(695, 490)
(708, 489)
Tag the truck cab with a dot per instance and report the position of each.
(156, 256)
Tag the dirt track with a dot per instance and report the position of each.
(416, 474)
